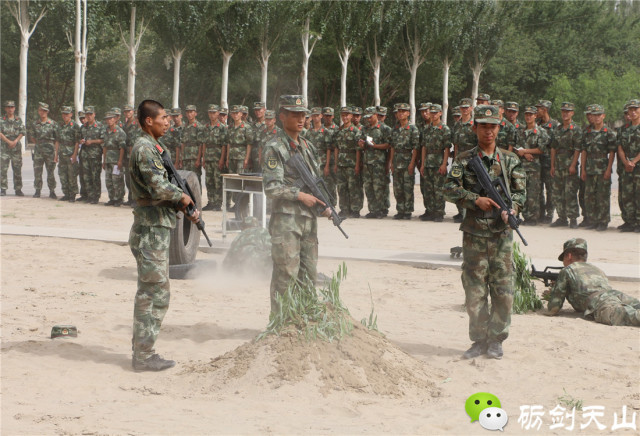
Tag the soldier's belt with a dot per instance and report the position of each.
(145, 202)
(479, 213)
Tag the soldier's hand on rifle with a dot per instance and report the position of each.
(485, 203)
(309, 200)
(505, 215)
(183, 203)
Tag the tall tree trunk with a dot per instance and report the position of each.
(412, 88)
(177, 58)
(131, 83)
(476, 69)
(226, 57)
(264, 64)
(77, 54)
(306, 55)
(305, 76)
(84, 55)
(446, 65)
(344, 61)
(376, 79)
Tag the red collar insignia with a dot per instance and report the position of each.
(159, 148)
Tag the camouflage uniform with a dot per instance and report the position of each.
(293, 226)
(487, 242)
(250, 251)
(507, 135)
(532, 138)
(132, 129)
(546, 181)
(259, 134)
(239, 137)
(630, 181)
(327, 145)
(191, 143)
(149, 241)
(349, 184)
(404, 142)
(437, 141)
(92, 160)
(45, 136)
(566, 186)
(114, 140)
(11, 128)
(214, 139)
(172, 140)
(69, 136)
(388, 132)
(375, 162)
(464, 136)
(587, 289)
(598, 145)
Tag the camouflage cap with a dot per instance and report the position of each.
(269, 114)
(89, 110)
(259, 105)
(486, 114)
(424, 107)
(597, 109)
(66, 110)
(626, 109)
(307, 115)
(109, 115)
(573, 243)
(382, 110)
(245, 109)
(235, 108)
(80, 114)
(403, 107)
(544, 103)
(9, 103)
(435, 108)
(456, 111)
(190, 107)
(116, 110)
(465, 102)
(176, 111)
(43, 106)
(127, 107)
(483, 97)
(512, 106)
(214, 108)
(224, 111)
(371, 110)
(316, 111)
(498, 103)
(567, 106)
(293, 103)
(64, 331)
(327, 111)
(530, 110)
(395, 107)
(356, 110)
(346, 109)
(634, 102)
(587, 109)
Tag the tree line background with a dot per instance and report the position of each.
(580, 51)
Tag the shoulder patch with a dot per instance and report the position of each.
(158, 165)
(456, 172)
(272, 162)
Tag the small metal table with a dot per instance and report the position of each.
(245, 184)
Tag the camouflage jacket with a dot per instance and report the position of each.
(149, 180)
(239, 137)
(507, 135)
(580, 284)
(191, 136)
(461, 187)
(44, 135)
(90, 132)
(172, 140)
(630, 143)
(114, 140)
(533, 138)
(465, 138)
(598, 144)
(403, 141)
(279, 179)
(214, 137)
(12, 128)
(549, 126)
(379, 135)
(327, 144)
(69, 136)
(132, 130)
(437, 140)
(565, 142)
(316, 137)
(346, 141)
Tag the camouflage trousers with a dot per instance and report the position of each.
(615, 308)
(531, 210)
(422, 188)
(387, 191)
(403, 190)
(374, 186)
(91, 169)
(349, 190)
(330, 181)
(236, 166)
(565, 194)
(190, 165)
(127, 180)
(11, 156)
(115, 183)
(597, 199)
(213, 181)
(44, 157)
(487, 269)
(433, 199)
(546, 190)
(294, 251)
(68, 174)
(150, 247)
(629, 197)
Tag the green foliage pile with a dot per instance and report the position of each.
(524, 297)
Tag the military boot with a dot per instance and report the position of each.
(153, 363)
(37, 194)
(52, 195)
(560, 222)
(19, 193)
(601, 227)
(3, 192)
(495, 350)
(573, 223)
(477, 349)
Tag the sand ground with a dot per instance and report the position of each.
(86, 386)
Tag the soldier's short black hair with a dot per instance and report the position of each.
(578, 254)
(148, 108)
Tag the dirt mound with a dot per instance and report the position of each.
(361, 362)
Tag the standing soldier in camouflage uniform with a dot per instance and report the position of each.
(405, 141)
(587, 289)
(388, 132)
(69, 138)
(549, 124)
(83, 188)
(315, 133)
(132, 129)
(530, 145)
(153, 218)
(270, 132)
(12, 130)
(483, 99)
(172, 140)
(357, 116)
(511, 114)
(259, 109)
(240, 135)
(326, 154)
(424, 126)
(214, 139)
(507, 134)
(456, 117)
(629, 182)
(375, 161)
(435, 157)
(565, 150)
(620, 172)
(487, 239)
(191, 149)
(598, 150)
(347, 157)
(463, 139)
(44, 133)
(91, 143)
(117, 112)
(224, 115)
(114, 147)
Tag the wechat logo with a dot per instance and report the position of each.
(486, 408)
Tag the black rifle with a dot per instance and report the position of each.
(316, 186)
(546, 275)
(490, 187)
(175, 179)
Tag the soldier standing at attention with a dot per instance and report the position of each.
(44, 133)
(629, 175)
(259, 109)
(549, 124)
(487, 239)
(315, 133)
(91, 142)
(191, 150)
(483, 99)
(375, 161)
(12, 130)
(388, 131)
(507, 134)
(424, 127)
(357, 116)
(240, 135)
(132, 129)
(293, 225)
(270, 131)
(325, 151)
(172, 140)
(83, 188)
(115, 143)
(405, 141)
(435, 157)
(347, 157)
(512, 109)
(117, 112)
(598, 150)
(153, 218)
(456, 116)
(69, 138)
(463, 139)
(565, 150)
(214, 139)
(224, 114)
